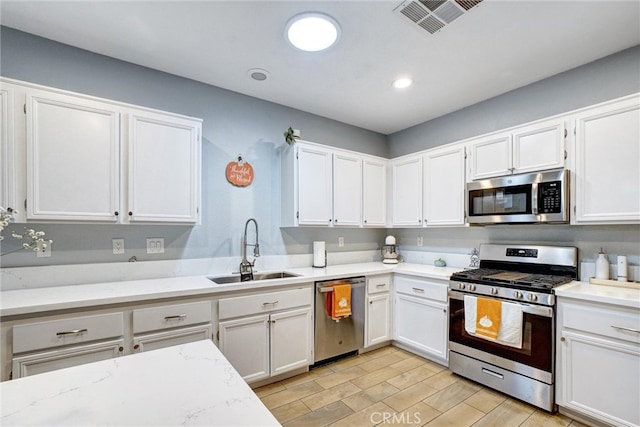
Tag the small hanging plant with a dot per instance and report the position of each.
(289, 137)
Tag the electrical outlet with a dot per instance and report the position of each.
(420, 241)
(341, 241)
(118, 246)
(44, 253)
(155, 245)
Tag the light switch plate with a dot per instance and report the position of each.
(118, 246)
(340, 241)
(155, 245)
(420, 241)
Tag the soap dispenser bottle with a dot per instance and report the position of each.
(602, 265)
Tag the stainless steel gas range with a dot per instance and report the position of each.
(515, 352)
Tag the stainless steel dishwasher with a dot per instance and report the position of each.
(338, 338)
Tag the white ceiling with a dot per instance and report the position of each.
(495, 47)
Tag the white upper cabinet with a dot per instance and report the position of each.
(607, 168)
(325, 186)
(7, 148)
(73, 163)
(407, 191)
(374, 198)
(91, 159)
(163, 170)
(347, 189)
(534, 147)
(314, 185)
(444, 186)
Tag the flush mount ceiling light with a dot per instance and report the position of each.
(312, 31)
(258, 74)
(402, 83)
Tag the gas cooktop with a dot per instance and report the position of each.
(511, 279)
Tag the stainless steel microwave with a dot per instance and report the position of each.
(541, 197)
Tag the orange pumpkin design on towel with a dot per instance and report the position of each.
(488, 317)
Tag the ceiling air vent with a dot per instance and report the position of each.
(432, 15)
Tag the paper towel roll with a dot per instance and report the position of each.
(319, 254)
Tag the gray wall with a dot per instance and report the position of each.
(236, 124)
(608, 78)
(233, 124)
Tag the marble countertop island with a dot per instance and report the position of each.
(190, 384)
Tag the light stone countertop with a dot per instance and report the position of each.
(39, 300)
(621, 296)
(189, 384)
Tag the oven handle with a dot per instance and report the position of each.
(536, 310)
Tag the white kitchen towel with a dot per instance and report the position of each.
(510, 332)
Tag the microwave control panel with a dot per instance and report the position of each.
(550, 197)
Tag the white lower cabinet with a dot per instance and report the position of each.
(55, 344)
(420, 321)
(598, 361)
(378, 311)
(274, 334)
(168, 325)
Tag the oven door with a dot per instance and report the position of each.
(536, 357)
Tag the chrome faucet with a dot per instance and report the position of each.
(246, 266)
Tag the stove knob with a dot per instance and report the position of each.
(472, 287)
(494, 291)
(461, 285)
(517, 294)
(533, 297)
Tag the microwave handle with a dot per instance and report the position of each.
(534, 198)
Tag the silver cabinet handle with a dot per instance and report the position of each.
(493, 374)
(626, 329)
(177, 317)
(270, 303)
(381, 285)
(418, 290)
(74, 332)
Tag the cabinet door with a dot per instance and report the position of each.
(347, 189)
(374, 189)
(57, 359)
(163, 175)
(245, 343)
(167, 339)
(539, 147)
(291, 340)
(378, 319)
(73, 149)
(444, 187)
(490, 156)
(314, 186)
(599, 378)
(422, 325)
(7, 161)
(606, 172)
(407, 192)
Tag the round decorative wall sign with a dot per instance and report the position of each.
(240, 173)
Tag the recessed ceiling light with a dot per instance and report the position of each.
(402, 83)
(258, 74)
(312, 32)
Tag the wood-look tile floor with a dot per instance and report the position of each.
(391, 387)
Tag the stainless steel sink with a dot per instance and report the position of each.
(235, 278)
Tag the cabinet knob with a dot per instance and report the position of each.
(120, 349)
(130, 213)
(116, 213)
(336, 221)
(562, 339)
(370, 302)
(137, 346)
(365, 221)
(419, 221)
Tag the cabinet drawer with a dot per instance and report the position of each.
(47, 361)
(171, 316)
(263, 303)
(377, 284)
(617, 323)
(421, 288)
(75, 330)
(164, 339)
